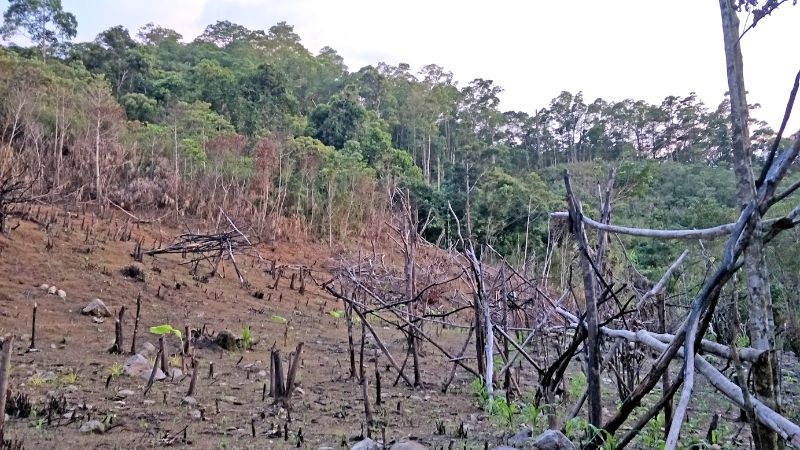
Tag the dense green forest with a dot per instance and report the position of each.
(298, 142)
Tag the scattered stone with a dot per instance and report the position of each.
(44, 286)
(504, 447)
(98, 320)
(96, 308)
(138, 366)
(175, 374)
(125, 393)
(325, 448)
(52, 290)
(188, 400)
(195, 414)
(522, 437)
(93, 426)
(61, 293)
(147, 349)
(409, 445)
(553, 440)
(262, 374)
(366, 444)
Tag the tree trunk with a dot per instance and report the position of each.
(760, 323)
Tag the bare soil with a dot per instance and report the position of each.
(328, 408)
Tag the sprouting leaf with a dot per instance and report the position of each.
(336, 314)
(165, 329)
(279, 319)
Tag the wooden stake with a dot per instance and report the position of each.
(136, 322)
(192, 383)
(5, 368)
(32, 347)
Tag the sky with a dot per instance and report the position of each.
(614, 49)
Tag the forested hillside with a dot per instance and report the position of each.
(297, 134)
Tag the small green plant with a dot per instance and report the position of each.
(247, 339)
(336, 314)
(69, 378)
(161, 330)
(609, 443)
(478, 389)
(652, 434)
(37, 380)
(577, 384)
(531, 415)
(278, 319)
(116, 369)
(575, 428)
(502, 411)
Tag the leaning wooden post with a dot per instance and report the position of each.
(5, 368)
(136, 322)
(32, 347)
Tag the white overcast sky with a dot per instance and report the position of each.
(615, 49)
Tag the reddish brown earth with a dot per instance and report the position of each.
(72, 358)
(329, 410)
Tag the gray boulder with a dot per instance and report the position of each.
(552, 440)
(96, 308)
(138, 366)
(408, 445)
(366, 444)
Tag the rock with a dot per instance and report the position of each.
(147, 349)
(176, 374)
(98, 320)
(96, 308)
(125, 393)
(522, 437)
(552, 440)
(409, 445)
(504, 447)
(93, 426)
(61, 293)
(195, 414)
(44, 286)
(226, 340)
(324, 448)
(188, 400)
(366, 444)
(262, 374)
(138, 366)
(52, 290)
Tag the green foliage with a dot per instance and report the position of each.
(116, 369)
(43, 21)
(278, 319)
(246, 341)
(577, 384)
(161, 330)
(651, 437)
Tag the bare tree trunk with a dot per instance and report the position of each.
(592, 340)
(761, 322)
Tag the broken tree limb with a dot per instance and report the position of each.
(765, 415)
(372, 331)
(663, 281)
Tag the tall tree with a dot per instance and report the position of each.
(42, 21)
(761, 325)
